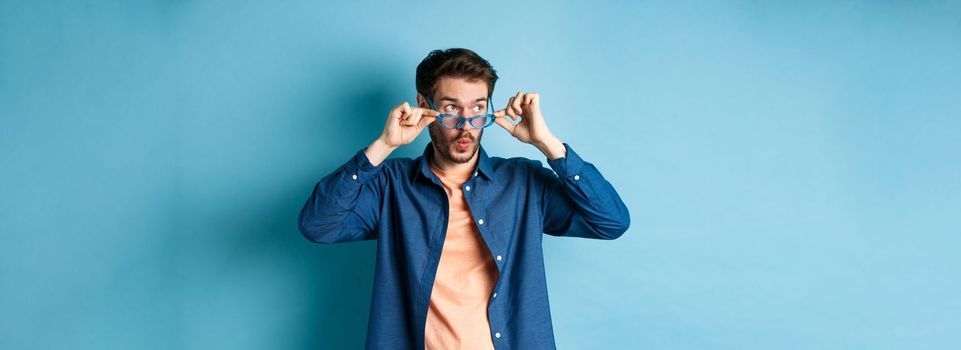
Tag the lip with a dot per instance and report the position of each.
(463, 143)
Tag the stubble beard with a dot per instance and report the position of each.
(447, 147)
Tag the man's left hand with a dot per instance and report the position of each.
(532, 128)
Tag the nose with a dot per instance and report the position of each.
(466, 125)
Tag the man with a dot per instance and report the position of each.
(459, 258)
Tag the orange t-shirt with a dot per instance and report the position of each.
(457, 317)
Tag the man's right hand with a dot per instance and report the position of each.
(404, 123)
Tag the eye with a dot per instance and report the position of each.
(478, 108)
(451, 107)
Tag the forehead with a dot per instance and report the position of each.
(463, 90)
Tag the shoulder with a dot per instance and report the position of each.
(518, 166)
(398, 163)
(399, 167)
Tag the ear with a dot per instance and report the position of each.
(421, 101)
(431, 129)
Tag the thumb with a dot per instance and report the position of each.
(502, 120)
(426, 119)
(502, 115)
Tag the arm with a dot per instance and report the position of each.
(345, 205)
(579, 202)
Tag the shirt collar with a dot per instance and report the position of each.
(483, 163)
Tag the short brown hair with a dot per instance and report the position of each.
(455, 62)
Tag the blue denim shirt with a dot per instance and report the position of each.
(403, 205)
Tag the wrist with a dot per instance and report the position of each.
(378, 150)
(383, 144)
(551, 147)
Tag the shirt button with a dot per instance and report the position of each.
(577, 177)
(497, 335)
(499, 258)
(495, 295)
(481, 221)
(354, 176)
(468, 188)
(475, 173)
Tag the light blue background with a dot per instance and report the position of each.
(792, 168)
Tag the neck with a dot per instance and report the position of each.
(447, 165)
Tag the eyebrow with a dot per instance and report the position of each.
(445, 98)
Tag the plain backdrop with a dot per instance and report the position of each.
(792, 168)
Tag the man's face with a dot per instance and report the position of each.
(465, 98)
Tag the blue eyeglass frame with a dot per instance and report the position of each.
(470, 120)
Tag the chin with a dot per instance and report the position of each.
(461, 157)
(456, 156)
(448, 149)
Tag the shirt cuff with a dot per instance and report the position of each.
(567, 166)
(360, 169)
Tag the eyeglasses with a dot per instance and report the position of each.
(454, 121)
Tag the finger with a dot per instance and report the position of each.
(506, 124)
(526, 103)
(517, 102)
(515, 113)
(402, 112)
(502, 115)
(507, 113)
(535, 102)
(528, 98)
(424, 117)
(429, 112)
(426, 120)
(412, 119)
(510, 109)
(397, 111)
